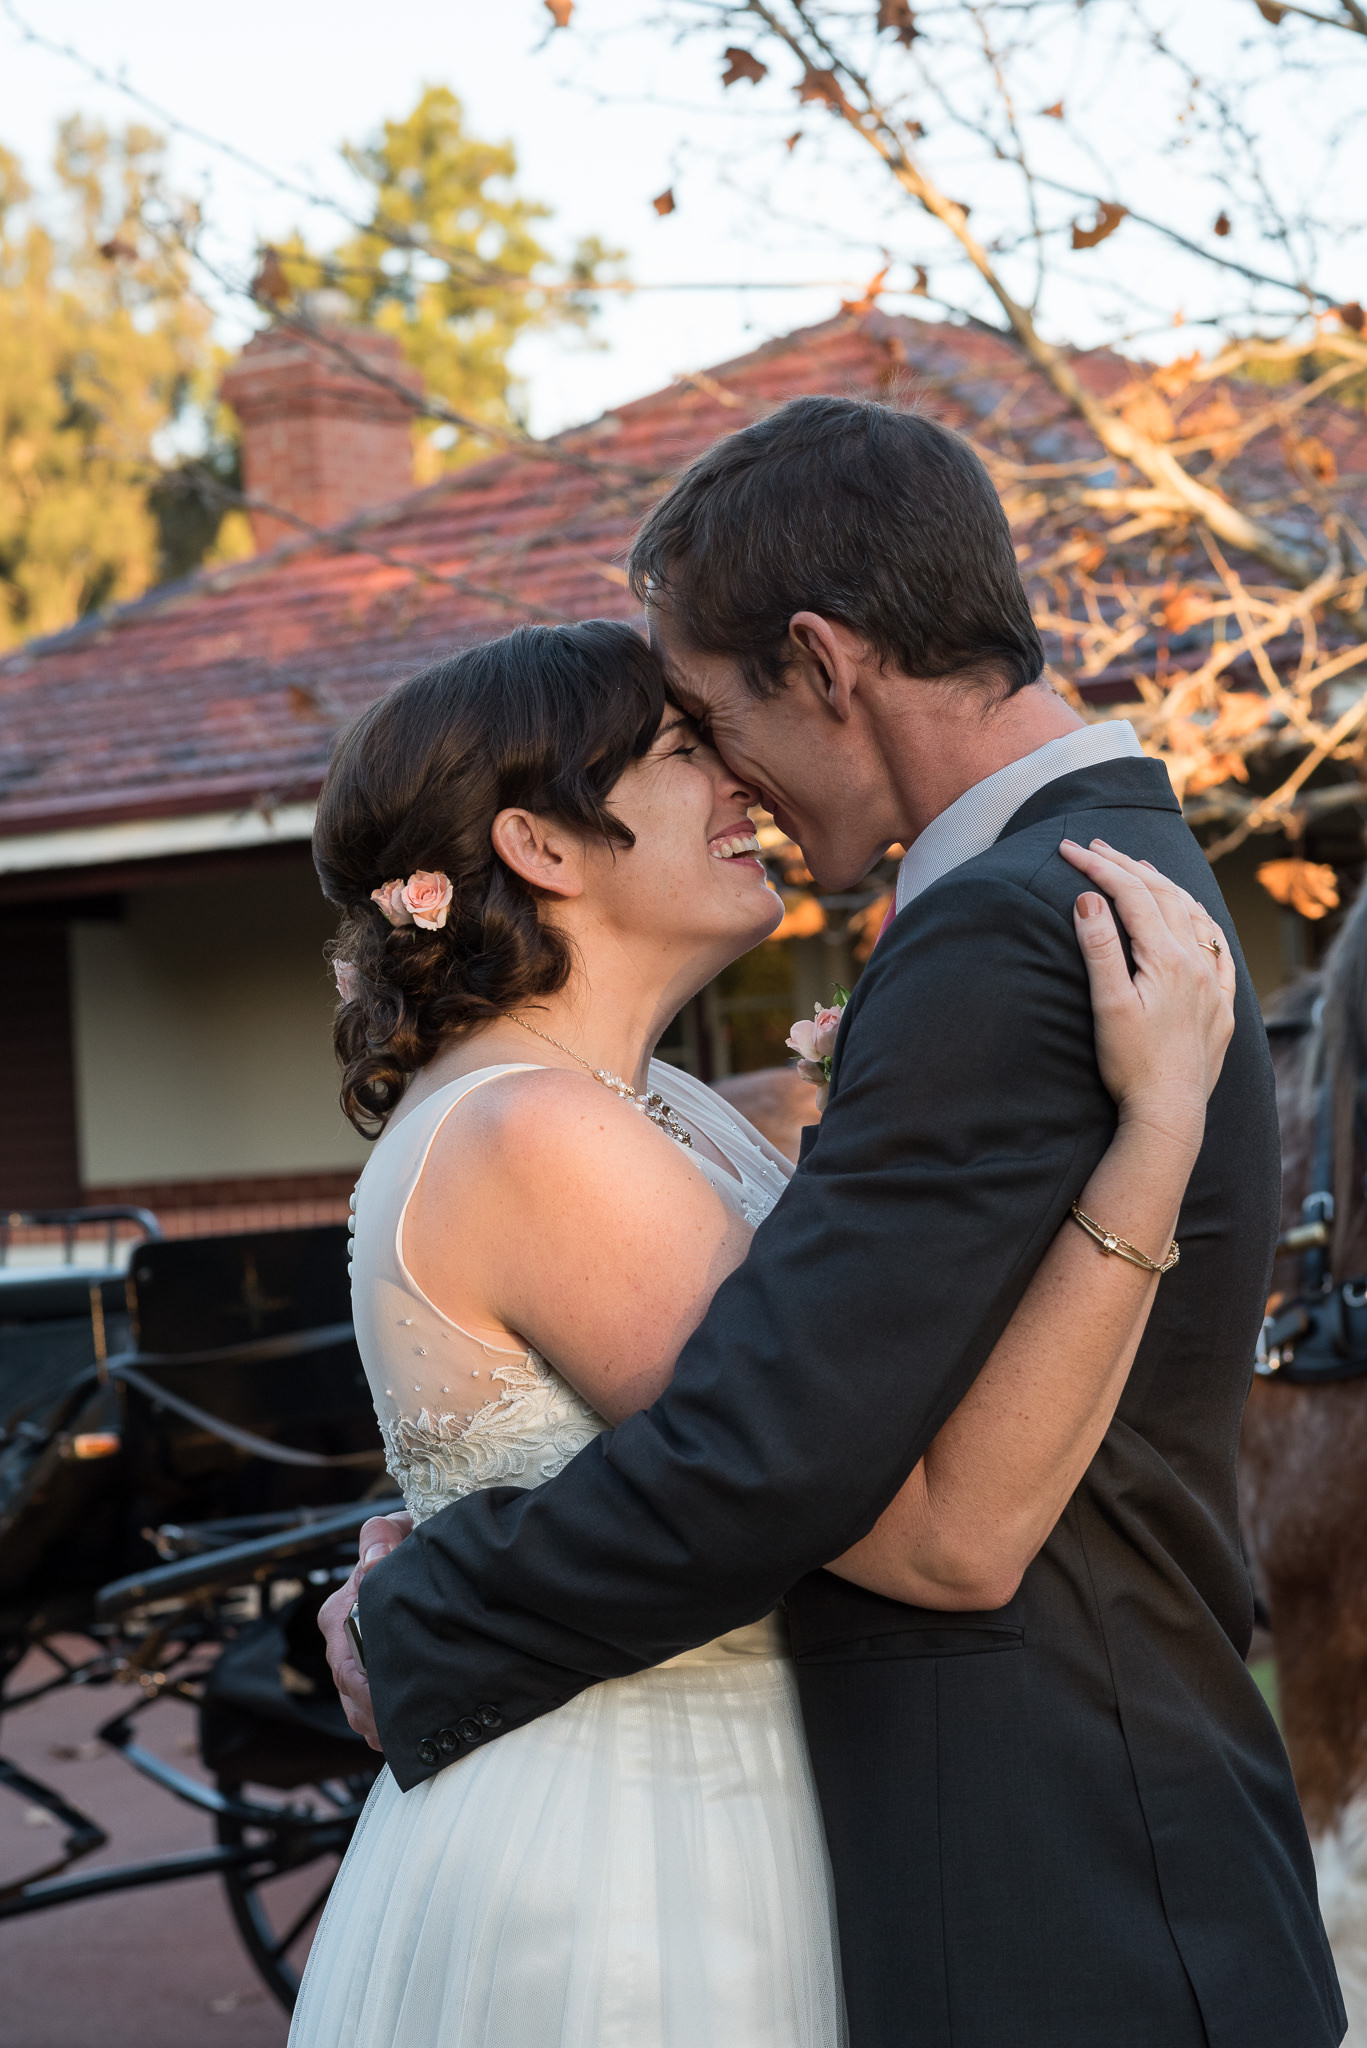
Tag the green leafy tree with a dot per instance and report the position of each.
(103, 348)
(449, 261)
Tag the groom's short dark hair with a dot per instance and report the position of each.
(879, 518)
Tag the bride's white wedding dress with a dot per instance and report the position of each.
(642, 1868)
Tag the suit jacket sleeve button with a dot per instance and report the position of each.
(447, 1741)
(469, 1729)
(427, 1751)
(489, 1717)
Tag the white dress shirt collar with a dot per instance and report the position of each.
(974, 820)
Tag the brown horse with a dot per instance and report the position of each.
(1303, 1466)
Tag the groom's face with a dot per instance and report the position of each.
(809, 769)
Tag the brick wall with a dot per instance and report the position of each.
(214, 1208)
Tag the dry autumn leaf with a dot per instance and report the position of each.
(1182, 609)
(823, 87)
(1108, 219)
(1222, 222)
(922, 285)
(1147, 411)
(1353, 316)
(560, 12)
(663, 202)
(1216, 420)
(896, 15)
(1241, 712)
(742, 64)
(1270, 11)
(1305, 886)
(1054, 113)
(1173, 378)
(868, 298)
(270, 285)
(1309, 453)
(790, 142)
(1211, 769)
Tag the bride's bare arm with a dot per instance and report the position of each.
(997, 1477)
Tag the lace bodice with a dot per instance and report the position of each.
(458, 1412)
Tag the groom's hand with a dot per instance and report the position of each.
(380, 1535)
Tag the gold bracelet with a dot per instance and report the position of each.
(1109, 1242)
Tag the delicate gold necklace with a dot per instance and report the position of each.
(652, 1104)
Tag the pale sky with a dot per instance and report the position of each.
(606, 115)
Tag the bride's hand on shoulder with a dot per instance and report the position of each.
(1161, 1033)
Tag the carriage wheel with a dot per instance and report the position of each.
(302, 1836)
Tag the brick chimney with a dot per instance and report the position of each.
(319, 438)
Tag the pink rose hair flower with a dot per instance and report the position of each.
(427, 899)
(390, 900)
(424, 899)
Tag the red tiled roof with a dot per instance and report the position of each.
(226, 691)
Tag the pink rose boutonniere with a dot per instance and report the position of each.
(813, 1040)
(424, 899)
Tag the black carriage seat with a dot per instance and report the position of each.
(242, 1344)
(58, 1320)
(239, 1393)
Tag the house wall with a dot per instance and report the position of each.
(200, 1033)
(201, 1029)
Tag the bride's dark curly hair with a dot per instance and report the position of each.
(547, 718)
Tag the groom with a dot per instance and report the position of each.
(1065, 1821)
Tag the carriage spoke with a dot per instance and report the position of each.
(287, 1940)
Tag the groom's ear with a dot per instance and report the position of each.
(828, 656)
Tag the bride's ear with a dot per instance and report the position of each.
(544, 853)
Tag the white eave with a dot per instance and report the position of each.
(98, 846)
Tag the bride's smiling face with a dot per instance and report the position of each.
(693, 880)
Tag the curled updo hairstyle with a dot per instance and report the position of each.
(547, 718)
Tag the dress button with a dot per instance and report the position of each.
(469, 1729)
(490, 1717)
(428, 1752)
(448, 1742)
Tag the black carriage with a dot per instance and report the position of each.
(187, 1452)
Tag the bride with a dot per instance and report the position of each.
(538, 863)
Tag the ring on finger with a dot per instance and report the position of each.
(1211, 946)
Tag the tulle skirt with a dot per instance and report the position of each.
(643, 1868)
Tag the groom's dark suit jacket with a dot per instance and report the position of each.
(1066, 1824)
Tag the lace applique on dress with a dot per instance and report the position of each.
(526, 1434)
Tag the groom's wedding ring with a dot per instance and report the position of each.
(1211, 946)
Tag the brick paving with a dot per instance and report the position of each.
(161, 1968)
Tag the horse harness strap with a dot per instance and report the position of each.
(1320, 1336)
